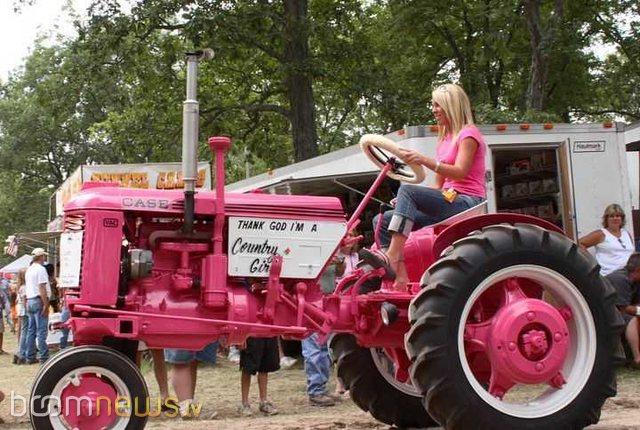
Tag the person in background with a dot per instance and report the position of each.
(159, 369)
(37, 291)
(54, 293)
(317, 361)
(626, 282)
(13, 300)
(6, 304)
(260, 357)
(2, 311)
(184, 375)
(64, 317)
(348, 254)
(613, 243)
(23, 319)
(1, 400)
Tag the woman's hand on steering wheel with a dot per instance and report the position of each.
(380, 150)
(411, 156)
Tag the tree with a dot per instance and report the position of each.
(24, 205)
(542, 39)
(275, 36)
(292, 79)
(298, 79)
(617, 79)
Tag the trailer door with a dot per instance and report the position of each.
(566, 196)
(597, 176)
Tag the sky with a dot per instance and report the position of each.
(18, 31)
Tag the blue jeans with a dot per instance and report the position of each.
(37, 330)
(418, 206)
(64, 317)
(317, 365)
(22, 345)
(208, 354)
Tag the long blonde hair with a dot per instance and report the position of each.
(456, 106)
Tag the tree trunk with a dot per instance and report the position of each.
(535, 91)
(298, 80)
(541, 41)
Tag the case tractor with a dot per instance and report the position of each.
(506, 322)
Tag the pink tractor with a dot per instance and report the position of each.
(507, 323)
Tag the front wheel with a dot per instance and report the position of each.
(514, 329)
(87, 388)
(368, 374)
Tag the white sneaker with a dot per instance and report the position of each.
(234, 355)
(287, 362)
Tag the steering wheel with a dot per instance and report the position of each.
(380, 149)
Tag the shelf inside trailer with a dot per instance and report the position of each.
(530, 197)
(527, 181)
(543, 172)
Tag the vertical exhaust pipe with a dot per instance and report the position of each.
(190, 130)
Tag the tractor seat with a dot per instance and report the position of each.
(479, 209)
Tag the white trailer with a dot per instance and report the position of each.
(566, 173)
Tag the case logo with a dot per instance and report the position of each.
(130, 202)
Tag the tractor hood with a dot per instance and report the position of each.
(167, 203)
(304, 230)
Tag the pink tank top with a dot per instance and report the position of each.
(473, 184)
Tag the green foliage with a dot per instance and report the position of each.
(114, 93)
(24, 207)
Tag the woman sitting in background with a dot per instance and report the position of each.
(613, 243)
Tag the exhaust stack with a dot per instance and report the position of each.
(190, 130)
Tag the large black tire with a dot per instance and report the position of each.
(436, 312)
(99, 357)
(371, 391)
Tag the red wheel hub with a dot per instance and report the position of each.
(89, 403)
(526, 341)
(533, 344)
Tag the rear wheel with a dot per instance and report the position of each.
(89, 387)
(515, 329)
(368, 374)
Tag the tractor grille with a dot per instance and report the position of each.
(75, 223)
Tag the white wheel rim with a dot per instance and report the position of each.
(57, 420)
(385, 366)
(580, 356)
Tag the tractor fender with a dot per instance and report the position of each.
(462, 228)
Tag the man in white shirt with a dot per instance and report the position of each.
(36, 289)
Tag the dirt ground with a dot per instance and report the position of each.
(219, 389)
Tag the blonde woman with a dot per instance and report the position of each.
(613, 243)
(459, 168)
